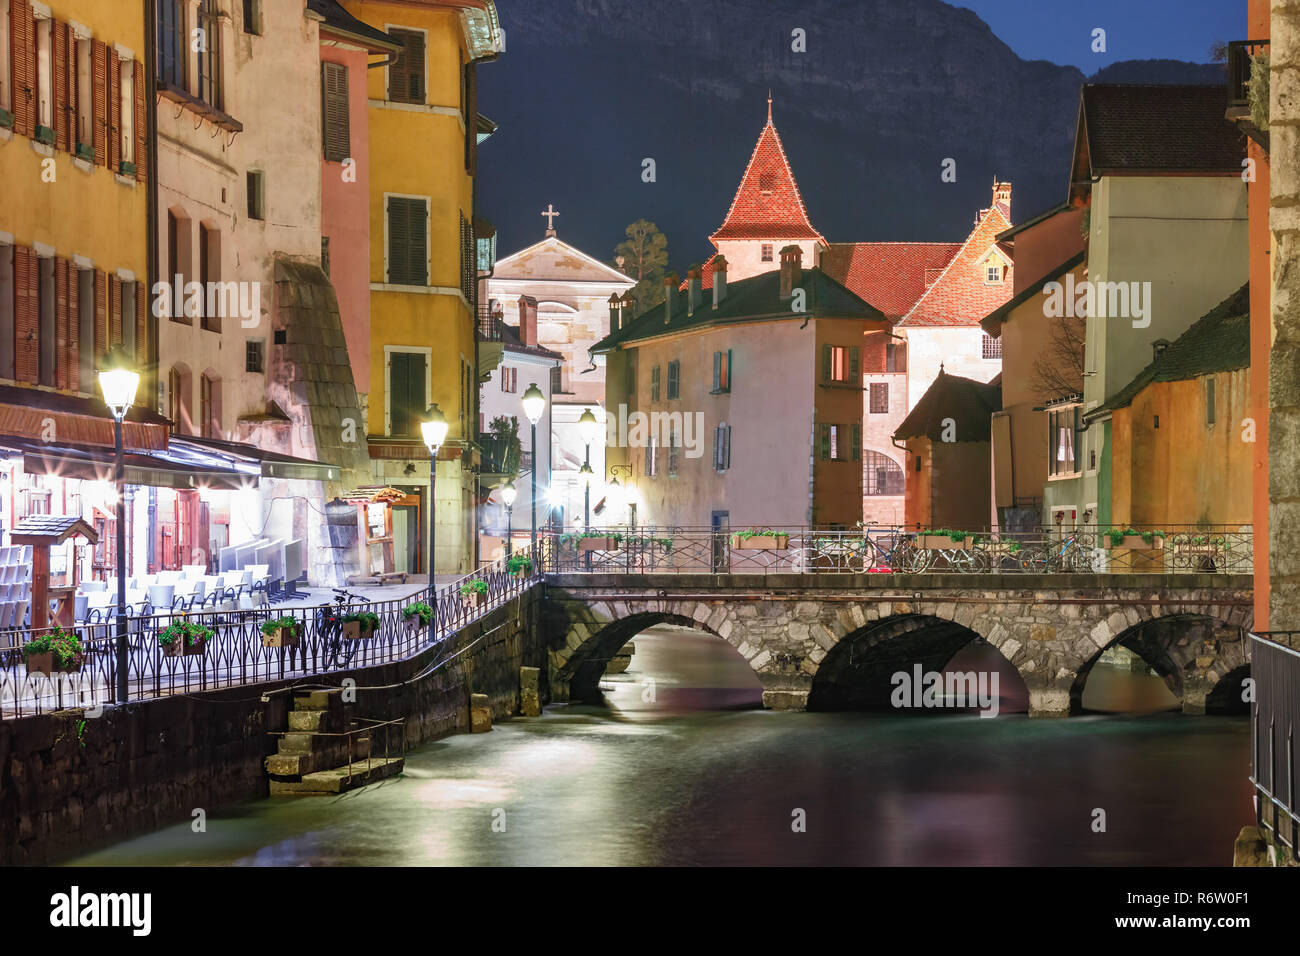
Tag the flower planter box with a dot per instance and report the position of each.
(177, 649)
(283, 637)
(415, 623)
(474, 600)
(357, 631)
(941, 542)
(760, 542)
(607, 543)
(44, 664)
(523, 573)
(1134, 542)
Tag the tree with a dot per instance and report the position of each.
(645, 256)
(1058, 369)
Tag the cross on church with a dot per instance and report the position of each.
(550, 214)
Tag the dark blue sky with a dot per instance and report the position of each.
(1061, 30)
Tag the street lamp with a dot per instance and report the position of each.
(119, 381)
(589, 431)
(534, 403)
(434, 431)
(508, 498)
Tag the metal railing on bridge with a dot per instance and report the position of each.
(1087, 549)
(235, 654)
(1275, 721)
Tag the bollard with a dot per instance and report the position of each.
(480, 714)
(530, 700)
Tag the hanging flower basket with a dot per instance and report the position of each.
(56, 652)
(359, 626)
(183, 638)
(282, 632)
(417, 616)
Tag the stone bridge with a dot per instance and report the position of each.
(828, 642)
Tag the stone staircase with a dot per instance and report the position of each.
(313, 756)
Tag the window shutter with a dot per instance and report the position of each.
(99, 100)
(857, 442)
(141, 326)
(71, 356)
(726, 446)
(114, 310)
(471, 120)
(825, 441)
(114, 110)
(101, 313)
(855, 365)
(334, 112)
(728, 389)
(717, 446)
(60, 322)
(717, 371)
(59, 45)
(22, 66)
(826, 363)
(26, 315)
(141, 125)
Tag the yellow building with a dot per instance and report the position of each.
(424, 133)
(74, 261)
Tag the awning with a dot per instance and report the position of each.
(179, 466)
(272, 463)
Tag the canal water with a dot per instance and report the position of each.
(683, 767)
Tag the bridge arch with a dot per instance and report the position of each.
(1192, 652)
(858, 673)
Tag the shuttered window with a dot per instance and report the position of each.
(22, 52)
(722, 447)
(45, 81)
(6, 98)
(468, 261)
(8, 300)
(722, 371)
(674, 379)
(256, 187)
(406, 393)
(654, 384)
(408, 241)
(879, 403)
(406, 76)
(334, 112)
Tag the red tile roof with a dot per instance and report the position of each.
(889, 275)
(767, 205)
(960, 297)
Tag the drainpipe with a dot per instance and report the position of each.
(152, 252)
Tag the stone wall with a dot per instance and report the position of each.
(68, 783)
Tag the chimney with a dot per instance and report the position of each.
(615, 306)
(670, 290)
(1002, 194)
(1158, 348)
(719, 279)
(791, 270)
(527, 321)
(692, 289)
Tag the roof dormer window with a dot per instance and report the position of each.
(994, 271)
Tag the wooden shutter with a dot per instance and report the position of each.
(407, 242)
(60, 322)
(114, 311)
(406, 76)
(99, 100)
(717, 371)
(71, 356)
(114, 111)
(22, 66)
(59, 45)
(471, 120)
(101, 314)
(857, 442)
(855, 365)
(141, 326)
(335, 117)
(141, 126)
(26, 315)
(826, 363)
(824, 441)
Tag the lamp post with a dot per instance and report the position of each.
(508, 498)
(589, 430)
(434, 431)
(118, 382)
(534, 403)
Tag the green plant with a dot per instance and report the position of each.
(573, 537)
(188, 633)
(369, 619)
(64, 645)
(418, 609)
(1257, 95)
(957, 537)
(275, 624)
(665, 543)
(474, 587)
(519, 562)
(1117, 537)
(505, 429)
(755, 533)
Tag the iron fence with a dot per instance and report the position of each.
(1086, 549)
(235, 654)
(1275, 720)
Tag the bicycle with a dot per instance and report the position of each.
(901, 555)
(329, 620)
(1069, 558)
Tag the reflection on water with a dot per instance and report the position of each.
(654, 779)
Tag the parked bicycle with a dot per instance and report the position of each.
(329, 621)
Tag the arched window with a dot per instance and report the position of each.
(882, 475)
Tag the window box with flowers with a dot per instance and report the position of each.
(57, 651)
(184, 638)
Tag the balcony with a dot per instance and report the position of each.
(1242, 56)
(490, 330)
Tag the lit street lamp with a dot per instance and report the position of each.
(589, 430)
(119, 381)
(508, 498)
(534, 403)
(585, 474)
(434, 432)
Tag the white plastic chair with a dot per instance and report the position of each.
(193, 571)
(160, 596)
(167, 577)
